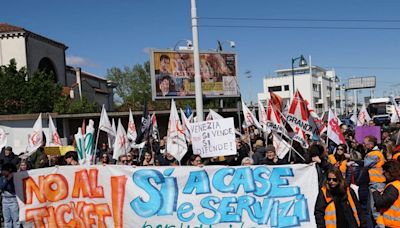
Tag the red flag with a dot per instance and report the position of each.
(277, 101)
(274, 120)
(83, 127)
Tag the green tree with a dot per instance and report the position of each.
(22, 93)
(68, 105)
(134, 87)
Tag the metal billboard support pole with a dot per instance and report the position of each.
(196, 58)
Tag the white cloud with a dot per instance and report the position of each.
(80, 61)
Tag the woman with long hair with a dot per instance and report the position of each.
(339, 159)
(337, 204)
(195, 160)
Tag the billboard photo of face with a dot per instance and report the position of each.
(172, 74)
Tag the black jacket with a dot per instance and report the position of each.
(321, 204)
(11, 158)
(387, 198)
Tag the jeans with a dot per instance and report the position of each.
(10, 212)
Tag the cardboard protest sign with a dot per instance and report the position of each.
(363, 131)
(213, 138)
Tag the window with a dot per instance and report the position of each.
(275, 89)
(286, 87)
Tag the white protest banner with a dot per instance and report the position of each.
(213, 138)
(3, 138)
(154, 197)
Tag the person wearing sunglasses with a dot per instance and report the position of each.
(339, 158)
(337, 205)
(388, 201)
(104, 159)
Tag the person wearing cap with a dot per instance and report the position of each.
(270, 157)
(8, 156)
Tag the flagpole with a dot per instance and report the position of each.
(291, 139)
(95, 147)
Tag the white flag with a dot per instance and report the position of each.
(105, 124)
(281, 146)
(3, 138)
(132, 134)
(212, 115)
(185, 125)
(80, 146)
(54, 137)
(110, 137)
(262, 116)
(249, 118)
(176, 143)
(396, 112)
(121, 145)
(334, 132)
(354, 116)
(88, 139)
(36, 137)
(363, 116)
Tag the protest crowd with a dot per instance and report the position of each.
(359, 181)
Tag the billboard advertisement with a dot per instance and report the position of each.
(172, 74)
(361, 83)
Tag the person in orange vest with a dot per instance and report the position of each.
(396, 153)
(339, 158)
(388, 201)
(373, 163)
(337, 205)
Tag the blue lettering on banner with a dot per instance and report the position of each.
(269, 198)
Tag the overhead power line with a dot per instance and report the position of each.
(300, 19)
(299, 27)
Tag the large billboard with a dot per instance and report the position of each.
(361, 83)
(172, 74)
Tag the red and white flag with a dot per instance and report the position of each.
(363, 116)
(3, 138)
(105, 124)
(132, 133)
(121, 144)
(274, 120)
(281, 146)
(300, 136)
(36, 137)
(54, 137)
(185, 125)
(249, 118)
(176, 143)
(299, 116)
(262, 116)
(334, 132)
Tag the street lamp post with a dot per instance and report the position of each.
(302, 63)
